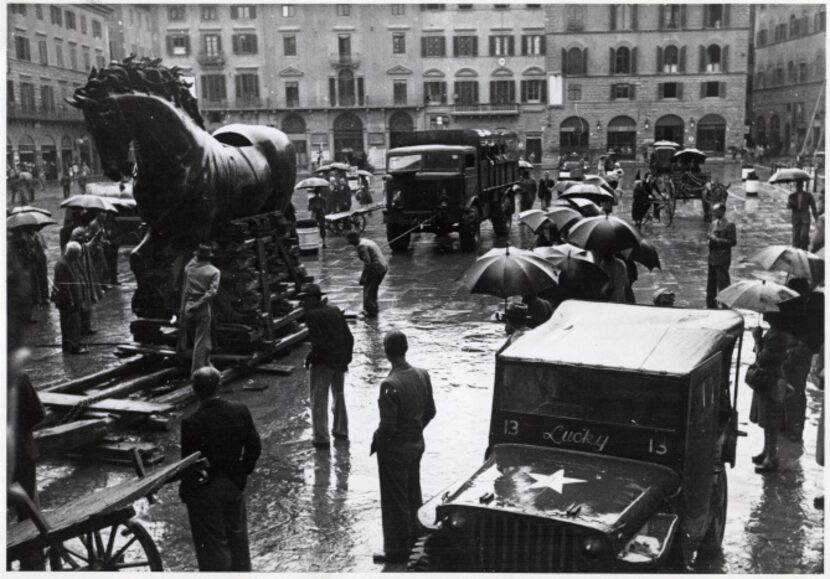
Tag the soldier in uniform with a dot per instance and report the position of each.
(406, 407)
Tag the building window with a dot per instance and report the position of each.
(760, 80)
(399, 92)
(712, 89)
(623, 16)
(501, 45)
(794, 27)
(344, 47)
(398, 43)
(575, 61)
(211, 45)
(247, 87)
(574, 17)
(27, 97)
(820, 21)
(47, 98)
(175, 13)
(669, 90)
(501, 6)
(10, 93)
(671, 16)
(711, 134)
(213, 87)
(622, 91)
(39, 11)
(433, 46)
(244, 43)
(43, 53)
(292, 94)
(621, 60)
(73, 57)
(534, 91)
(533, 149)
(622, 137)
(96, 29)
(210, 12)
(778, 76)
(178, 45)
(466, 92)
(713, 16)
(502, 92)
(433, 7)
(21, 48)
(70, 20)
(761, 38)
(83, 24)
(802, 72)
(59, 54)
(465, 6)
(344, 9)
(346, 88)
(18, 9)
(288, 10)
(243, 12)
(100, 61)
(87, 59)
(289, 45)
(465, 45)
(56, 15)
(398, 9)
(573, 135)
(574, 92)
(435, 92)
(671, 60)
(533, 45)
(713, 58)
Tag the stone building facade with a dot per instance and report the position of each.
(622, 76)
(133, 30)
(51, 49)
(789, 76)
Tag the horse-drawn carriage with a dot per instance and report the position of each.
(678, 175)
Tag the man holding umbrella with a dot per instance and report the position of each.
(722, 238)
(801, 204)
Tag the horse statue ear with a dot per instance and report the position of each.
(93, 73)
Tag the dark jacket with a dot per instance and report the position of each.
(67, 294)
(224, 432)
(28, 413)
(406, 407)
(331, 339)
(726, 237)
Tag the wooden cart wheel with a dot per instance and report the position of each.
(123, 546)
(359, 222)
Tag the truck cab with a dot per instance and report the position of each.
(610, 430)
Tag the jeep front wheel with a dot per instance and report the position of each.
(469, 234)
(712, 541)
(397, 236)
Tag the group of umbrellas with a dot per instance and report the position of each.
(36, 218)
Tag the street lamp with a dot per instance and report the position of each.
(645, 124)
(691, 123)
(599, 126)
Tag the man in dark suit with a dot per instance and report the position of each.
(68, 299)
(406, 407)
(224, 432)
(546, 186)
(722, 238)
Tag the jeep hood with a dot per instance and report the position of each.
(612, 495)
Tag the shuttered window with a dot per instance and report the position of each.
(244, 44)
(465, 45)
(534, 91)
(433, 46)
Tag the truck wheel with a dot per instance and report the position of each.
(398, 238)
(710, 546)
(469, 234)
(428, 555)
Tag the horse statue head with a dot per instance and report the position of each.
(106, 120)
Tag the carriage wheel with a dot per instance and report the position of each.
(359, 222)
(123, 546)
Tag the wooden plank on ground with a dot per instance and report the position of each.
(293, 315)
(108, 405)
(57, 440)
(120, 452)
(80, 384)
(274, 369)
(100, 502)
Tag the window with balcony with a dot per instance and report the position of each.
(96, 29)
(398, 9)
(27, 97)
(244, 43)
(669, 90)
(56, 15)
(574, 17)
(47, 98)
(622, 91)
(346, 88)
(714, 15)
(21, 48)
(501, 45)
(344, 9)
(502, 92)
(247, 88)
(210, 12)
(435, 92)
(574, 92)
(43, 53)
(73, 57)
(398, 43)
(344, 47)
(575, 61)
(243, 12)
(712, 89)
(70, 19)
(466, 92)
(178, 44)
(399, 92)
(289, 45)
(211, 45)
(288, 10)
(59, 54)
(433, 46)
(534, 91)
(176, 13)
(213, 87)
(671, 17)
(466, 45)
(292, 94)
(533, 44)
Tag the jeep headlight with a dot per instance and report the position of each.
(457, 520)
(592, 546)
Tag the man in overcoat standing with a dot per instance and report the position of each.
(722, 238)
(201, 284)
(406, 407)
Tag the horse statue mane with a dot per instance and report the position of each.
(144, 75)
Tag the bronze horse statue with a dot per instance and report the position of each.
(187, 181)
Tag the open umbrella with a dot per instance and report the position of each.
(534, 218)
(645, 254)
(29, 209)
(89, 202)
(311, 183)
(579, 276)
(525, 164)
(564, 185)
(338, 166)
(585, 206)
(588, 191)
(795, 262)
(29, 219)
(756, 295)
(690, 153)
(599, 182)
(604, 234)
(803, 317)
(666, 144)
(506, 272)
(364, 173)
(789, 176)
(557, 253)
(564, 217)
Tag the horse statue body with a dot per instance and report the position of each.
(188, 183)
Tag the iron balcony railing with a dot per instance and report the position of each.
(486, 109)
(350, 59)
(59, 113)
(213, 59)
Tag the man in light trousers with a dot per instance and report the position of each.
(201, 285)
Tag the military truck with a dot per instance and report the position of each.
(450, 180)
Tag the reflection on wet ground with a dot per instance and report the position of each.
(313, 511)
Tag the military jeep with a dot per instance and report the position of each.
(611, 427)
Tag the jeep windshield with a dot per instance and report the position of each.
(439, 161)
(593, 395)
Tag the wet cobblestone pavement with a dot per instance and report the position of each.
(319, 512)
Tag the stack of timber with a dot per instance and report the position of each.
(258, 257)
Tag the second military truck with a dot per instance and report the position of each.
(450, 180)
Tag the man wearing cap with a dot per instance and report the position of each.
(722, 238)
(374, 270)
(331, 353)
(201, 284)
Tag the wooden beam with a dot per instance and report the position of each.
(274, 369)
(124, 389)
(55, 441)
(116, 406)
(81, 384)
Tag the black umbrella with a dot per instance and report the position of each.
(645, 254)
(585, 206)
(604, 234)
(803, 317)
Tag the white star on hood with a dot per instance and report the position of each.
(553, 481)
